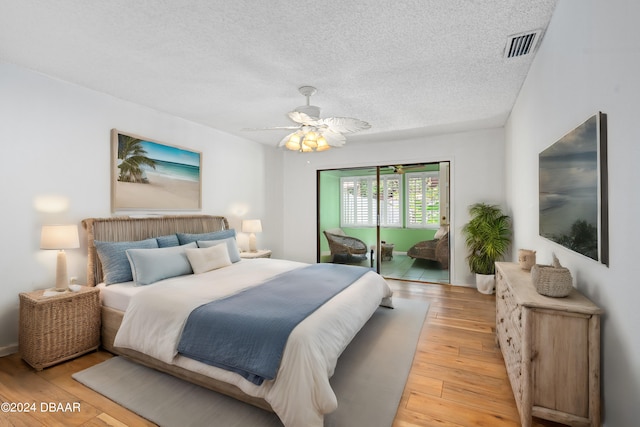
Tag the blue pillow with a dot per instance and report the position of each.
(232, 246)
(150, 265)
(168, 241)
(115, 265)
(185, 238)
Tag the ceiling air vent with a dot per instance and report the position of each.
(521, 44)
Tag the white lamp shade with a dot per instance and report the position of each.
(59, 237)
(251, 226)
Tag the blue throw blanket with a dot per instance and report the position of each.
(246, 333)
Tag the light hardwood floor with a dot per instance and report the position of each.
(458, 378)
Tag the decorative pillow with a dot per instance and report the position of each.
(168, 241)
(184, 238)
(150, 265)
(113, 257)
(207, 259)
(442, 231)
(232, 246)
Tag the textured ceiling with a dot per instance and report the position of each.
(406, 67)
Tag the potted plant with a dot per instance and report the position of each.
(487, 236)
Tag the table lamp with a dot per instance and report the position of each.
(252, 226)
(60, 237)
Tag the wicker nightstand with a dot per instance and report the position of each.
(260, 253)
(60, 327)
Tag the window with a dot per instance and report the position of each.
(423, 199)
(422, 205)
(358, 201)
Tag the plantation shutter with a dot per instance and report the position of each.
(423, 204)
(358, 201)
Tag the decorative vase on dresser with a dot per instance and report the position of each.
(551, 349)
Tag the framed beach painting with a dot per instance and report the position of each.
(573, 190)
(148, 175)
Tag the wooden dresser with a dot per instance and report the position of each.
(551, 348)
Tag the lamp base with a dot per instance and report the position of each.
(62, 279)
(252, 243)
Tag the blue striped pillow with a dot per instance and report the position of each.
(113, 257)
(167, 241)
(185, 238)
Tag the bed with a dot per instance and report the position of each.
(300, 393)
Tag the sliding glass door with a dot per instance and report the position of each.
(347, 216)
(393, 218)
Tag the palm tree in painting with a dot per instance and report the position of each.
(132, 157)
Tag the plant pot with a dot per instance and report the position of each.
(485, 283)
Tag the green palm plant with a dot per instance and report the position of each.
(488, 236)
(133, 156)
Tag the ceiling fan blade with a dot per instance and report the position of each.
(344, 124)
(334, 139)
(303, 118)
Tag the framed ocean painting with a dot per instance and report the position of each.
(148, 175)
(573, 190)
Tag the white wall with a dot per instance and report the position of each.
(589, 61)
(55, 141)
(477, 175)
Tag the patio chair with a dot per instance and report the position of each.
(345, 248)
(433, 250)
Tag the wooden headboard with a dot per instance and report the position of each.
(122, 229)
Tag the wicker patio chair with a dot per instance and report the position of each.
(345, 248)
(433, 250)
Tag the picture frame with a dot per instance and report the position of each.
(573, 202)
(148, 175)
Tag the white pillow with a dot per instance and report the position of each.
(441, 232)
(232, 247)
(150, 265)
(207, 259)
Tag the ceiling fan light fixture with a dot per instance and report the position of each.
(322, 144)
(306, 141)
(310, 139)
(294, 141)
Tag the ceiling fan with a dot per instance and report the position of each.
(313, 133)
(407, 168)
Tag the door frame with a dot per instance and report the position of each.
(449, 198)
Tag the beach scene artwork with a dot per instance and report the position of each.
(570, 202)
(149, 175)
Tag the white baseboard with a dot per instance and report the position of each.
(9, 349)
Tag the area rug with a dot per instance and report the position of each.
(368, 381)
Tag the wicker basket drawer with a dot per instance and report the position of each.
(58, 328)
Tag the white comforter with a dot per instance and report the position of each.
(301, 393)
